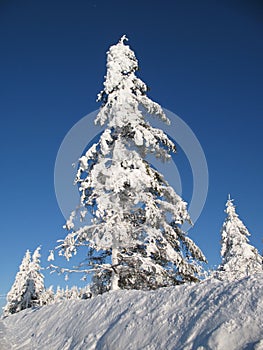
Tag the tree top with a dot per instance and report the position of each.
(123, 38)
(230, 208)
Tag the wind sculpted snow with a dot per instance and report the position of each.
(211, 315)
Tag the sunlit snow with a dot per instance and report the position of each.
(211, 315)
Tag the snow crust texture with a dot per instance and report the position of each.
(211, 315)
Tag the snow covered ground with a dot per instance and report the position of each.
(209, 315)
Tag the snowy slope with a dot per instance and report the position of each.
(209, 315)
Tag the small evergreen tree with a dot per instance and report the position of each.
(135, 239)
(47, 297)
(28, 286)
(239, 258)
(18, 297)
(67, 293)
(37, 277)
(59, 295)
(74, 293)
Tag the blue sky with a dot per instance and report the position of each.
(202, 61)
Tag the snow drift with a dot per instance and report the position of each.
(208, 315)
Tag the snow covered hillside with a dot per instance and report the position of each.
(209, 315)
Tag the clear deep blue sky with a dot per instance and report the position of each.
(202, 61)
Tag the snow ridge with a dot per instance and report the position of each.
(211, 315)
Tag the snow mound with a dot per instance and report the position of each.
(210, 315)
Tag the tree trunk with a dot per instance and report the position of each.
(115, 274)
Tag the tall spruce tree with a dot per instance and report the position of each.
(28, 286)
(135, 238)
(239, 258)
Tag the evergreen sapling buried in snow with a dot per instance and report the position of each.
(135, 240)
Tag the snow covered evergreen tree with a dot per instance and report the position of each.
(74, 293)
(37, 277)
(239, 258)
(135, 238)
(18, 297)
(28, 286)
(47, 297)
(59, 295)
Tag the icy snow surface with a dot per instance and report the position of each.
(209, 315)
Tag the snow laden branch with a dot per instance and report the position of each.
(134, 239)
